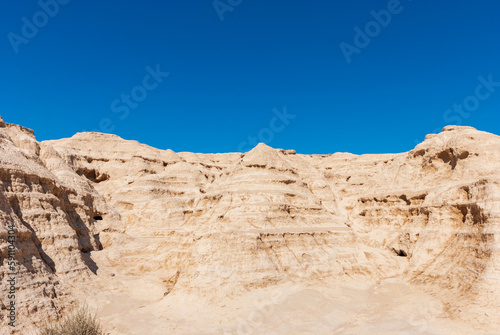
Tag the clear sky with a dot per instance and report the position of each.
(364, 76)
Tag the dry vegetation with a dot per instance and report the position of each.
(81, 322)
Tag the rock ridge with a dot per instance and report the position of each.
(96, 215)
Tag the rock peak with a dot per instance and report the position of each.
(261, 146)
(453, 128)
(94, 134)
(265, 157)
(171, 156)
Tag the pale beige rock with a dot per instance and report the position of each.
(268, 241)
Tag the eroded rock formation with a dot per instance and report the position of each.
(118, 223)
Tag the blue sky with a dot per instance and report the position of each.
(204, 76)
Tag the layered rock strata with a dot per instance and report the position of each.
(95, 212)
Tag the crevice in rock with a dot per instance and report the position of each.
(405, 199)
(474, 211)
(419, 153)
(450, 157)
(92, 175)
(400, 252)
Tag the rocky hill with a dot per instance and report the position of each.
(268, 241)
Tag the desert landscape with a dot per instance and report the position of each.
(268, 241)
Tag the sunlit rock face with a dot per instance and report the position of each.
(187, 241)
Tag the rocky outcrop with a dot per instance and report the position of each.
(96, 214)
(53, 216)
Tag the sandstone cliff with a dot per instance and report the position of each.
(181, 242)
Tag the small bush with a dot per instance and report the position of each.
(80, 322)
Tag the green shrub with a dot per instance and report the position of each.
(80, 322)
